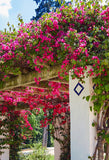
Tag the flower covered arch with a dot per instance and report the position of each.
(35, 60)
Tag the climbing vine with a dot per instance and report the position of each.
(73, 38)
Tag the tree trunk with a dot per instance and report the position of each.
(107, 152)
(100, 148)
(45, 136)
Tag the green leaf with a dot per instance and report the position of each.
(107, 87)
(84, 97)
(91, 108)
(107, 138)
(87, 98)
(93, 124)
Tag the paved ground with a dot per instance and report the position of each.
(50, 150)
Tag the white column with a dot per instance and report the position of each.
(83, 135)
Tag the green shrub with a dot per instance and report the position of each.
(39, 153)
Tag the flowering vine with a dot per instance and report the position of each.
(70, 37)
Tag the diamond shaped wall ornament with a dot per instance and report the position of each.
(78, 89)
(94, 86)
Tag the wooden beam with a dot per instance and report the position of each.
(27, 79)
(43, 85)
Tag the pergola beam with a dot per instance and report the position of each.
(28, 79)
